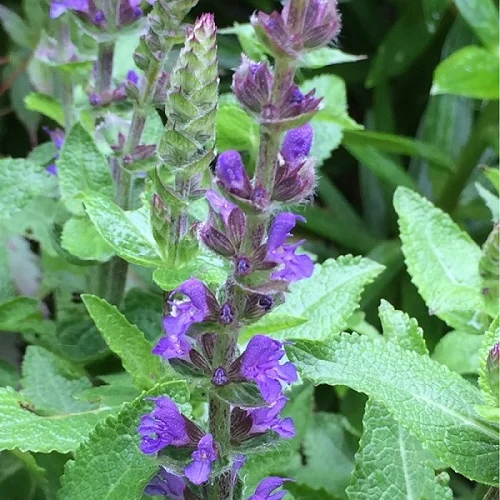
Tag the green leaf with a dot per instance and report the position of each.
(434, 404)
(305, 492)
(236, 130)
(491, 337)
(399, 145)
(110, 465)
(328, 453)
(493, 175)
(15, 27)
(9, 376)
(81, 239)
(20, 181)
(390, 464)
(442, 260)
(46, 105)
(43, 153)
(469, 72)
(327, 299)
(81, 168)
(482, 17)
(269, 325)
(386, 169)
(433, 11)
(23, 429)
(459, 351)
(489, 271)
(491, 200)
(249, 42)
(50, 383)
(17, 312)
(127, 341)
(329, 123)
(128, 233)
(326, 56)
(145, 310)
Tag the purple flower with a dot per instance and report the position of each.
(232, 175)
(220, 205)
(321, 24)
(297, 143)
(195, 308)
(268, 418)
(260, 363)
(164, 426)
(252, 84)
(295, 267)
(266, 487)
(166, 484)
(199, 470)
(59, 7)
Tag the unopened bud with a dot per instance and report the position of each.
(493, 371)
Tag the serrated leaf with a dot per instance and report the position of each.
(48, 382)
(491, 337)
(23, 429)
(20, 181)
(390, 462)
(399, 328)
(110, 465)
(441, 259)
(489, 265)
(326, 56)
(459, 351)
(327, 299)
(329, 455)
(81, 239)
(17, 311)
(269, 325)
(434, 404)
(305, 492)
(81, 168)
(128, 233)
(469, 72)
(127, 341)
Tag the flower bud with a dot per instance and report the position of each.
(321, 23)
(217, 241)
(273, 33)
(294, 182)
(232, 175)
(252, 84)
(297, 143)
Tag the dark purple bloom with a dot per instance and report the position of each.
(133, 77)
(220, 377)
(268, 418)
(297, 143)
(274, 33)
(164, 426)
(59, 7)
(294, 267)
(252, 84)
(321, 23)
(266, 488)
(232, 175)
(166, 484)
(199, 470)
(195, 308)
(260, 363)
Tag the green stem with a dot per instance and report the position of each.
(469, 157)
(123, 178)
(220, 415)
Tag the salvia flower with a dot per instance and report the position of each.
(297, 30)
(164, 426)
(252, 84)
(266, 489)
(231, 174)
(198, 305)
(261, 363)
(268, 418)
(293, 267)
(199, 470)
(167, 485)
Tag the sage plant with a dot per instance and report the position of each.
(250, 225)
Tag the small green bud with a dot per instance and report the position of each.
(493, 371)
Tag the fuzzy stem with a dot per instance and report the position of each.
(104, 67)
(469, 157)
(220, 415)
(123, 178)
(66, 82)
